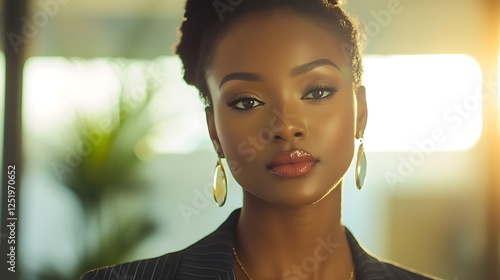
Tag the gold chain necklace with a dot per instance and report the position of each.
(250, 278)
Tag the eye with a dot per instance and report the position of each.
(320, 93)
(244, 103)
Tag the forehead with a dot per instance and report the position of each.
(274, 42)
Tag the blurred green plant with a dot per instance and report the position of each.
(102, 170)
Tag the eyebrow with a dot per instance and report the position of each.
(299, 70)
(304, 68)
(244, 76)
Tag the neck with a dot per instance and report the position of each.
(274, 241)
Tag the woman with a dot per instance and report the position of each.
(285, 105)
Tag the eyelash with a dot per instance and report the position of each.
(235, 100)
(320, 87)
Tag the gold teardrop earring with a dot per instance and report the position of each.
(360, 173)
(219, 185)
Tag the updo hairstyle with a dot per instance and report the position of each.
(205, 22)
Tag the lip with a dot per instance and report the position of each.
(292, 163)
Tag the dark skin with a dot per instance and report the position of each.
(322, 112)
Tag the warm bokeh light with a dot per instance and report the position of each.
(57, 88)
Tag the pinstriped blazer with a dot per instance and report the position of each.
(212, 258)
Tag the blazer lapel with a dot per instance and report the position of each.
(211, 257)
(366, 266)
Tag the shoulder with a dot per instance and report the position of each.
(210, 256)
(162, 267)
(200, 257)
(368, 266)
(401, 272)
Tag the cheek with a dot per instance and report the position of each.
(335, 134)
(240, 140)
(337, 128)
(340, 148)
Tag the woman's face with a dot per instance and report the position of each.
(279, 82)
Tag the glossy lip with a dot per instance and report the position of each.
(292, 163)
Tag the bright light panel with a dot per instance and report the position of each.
(419, 102)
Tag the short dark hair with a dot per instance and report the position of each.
(206, 20)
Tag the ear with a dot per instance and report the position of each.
(212, 131)
(362, 111)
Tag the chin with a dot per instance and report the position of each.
(296, 196)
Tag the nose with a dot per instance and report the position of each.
(288, 135)
(288, 127)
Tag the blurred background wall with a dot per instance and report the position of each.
(117, 157)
